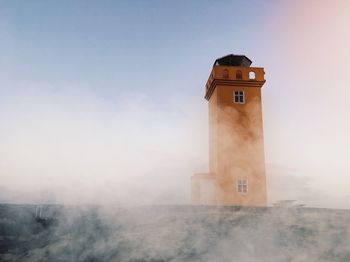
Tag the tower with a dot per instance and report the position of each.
(236, 147)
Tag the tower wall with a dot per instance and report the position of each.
(213, 132)
(236, 146)
(236, 136)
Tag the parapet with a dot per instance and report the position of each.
(234, 70)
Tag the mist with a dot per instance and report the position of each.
(103, 122)
(70, 146)
(76, 129)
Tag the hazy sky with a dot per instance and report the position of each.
(103, 100)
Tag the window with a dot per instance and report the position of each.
(242, 186)
(225, 74)
(239, 97)
(238, 74)
(251, 75)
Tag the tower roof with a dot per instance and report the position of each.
(233, 60)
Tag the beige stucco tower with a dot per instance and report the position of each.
(236, 146)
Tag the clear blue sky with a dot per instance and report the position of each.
(157, 47)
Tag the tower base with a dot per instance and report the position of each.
(203, 189)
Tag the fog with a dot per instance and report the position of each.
(103, 122)
(168, 233)
(82, 132)
(305, 103)
(70, 146)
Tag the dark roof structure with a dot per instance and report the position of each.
(233, 60)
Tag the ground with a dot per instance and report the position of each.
(173, 233)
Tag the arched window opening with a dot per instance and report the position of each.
(238, 74)
(225, 74)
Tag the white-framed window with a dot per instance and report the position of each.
(242, 186)
(239, 97)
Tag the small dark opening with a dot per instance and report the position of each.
(238, 74)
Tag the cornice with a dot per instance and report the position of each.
(215, 82)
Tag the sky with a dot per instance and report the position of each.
(102, 101)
